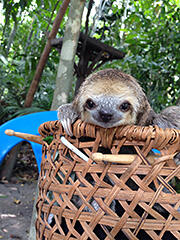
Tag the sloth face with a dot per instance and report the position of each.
(110, 98)
(108, 111)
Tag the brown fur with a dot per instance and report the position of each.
(109, 88)
(113, 82)
(169, 118)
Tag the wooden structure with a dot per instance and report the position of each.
(92, 54)
(97, 200)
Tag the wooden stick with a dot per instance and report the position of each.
(26, 136)
(120, 158)
(39, 139)
(45, 54)
(73, 148)
(129, 158)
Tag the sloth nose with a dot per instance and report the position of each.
(105, 117)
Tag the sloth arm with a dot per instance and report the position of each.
(67, 115)
(169, 118)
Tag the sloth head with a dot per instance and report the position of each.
(111, 98)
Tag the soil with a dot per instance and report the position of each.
(17, 197)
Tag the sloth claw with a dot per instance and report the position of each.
(67, 115)
(67, 126)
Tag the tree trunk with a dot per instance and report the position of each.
(66, 65)
(45, 55)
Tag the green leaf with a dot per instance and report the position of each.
(3, 196)
(48, 139)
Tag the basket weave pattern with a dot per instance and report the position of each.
(133, 201)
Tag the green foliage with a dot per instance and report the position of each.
(48, 139)
(148, 31)
(23, 36)
(156, 51)
(151, 41)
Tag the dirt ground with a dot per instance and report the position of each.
(17, 197)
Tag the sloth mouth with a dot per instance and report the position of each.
(106, 122)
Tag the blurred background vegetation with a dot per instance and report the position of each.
(146, 30)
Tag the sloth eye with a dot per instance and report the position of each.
(125, 106)
(90, 104)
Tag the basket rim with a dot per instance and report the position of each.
(159, 138)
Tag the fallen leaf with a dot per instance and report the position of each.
(4, 180)
(16, 201)
(2, 216)
(3, 196)
(15, 236)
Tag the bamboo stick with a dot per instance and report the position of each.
(120, 158)
(26, 136)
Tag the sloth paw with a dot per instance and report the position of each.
(67, 115)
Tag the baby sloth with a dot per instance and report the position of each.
(111, 98)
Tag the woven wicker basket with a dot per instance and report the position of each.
(117, 201)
